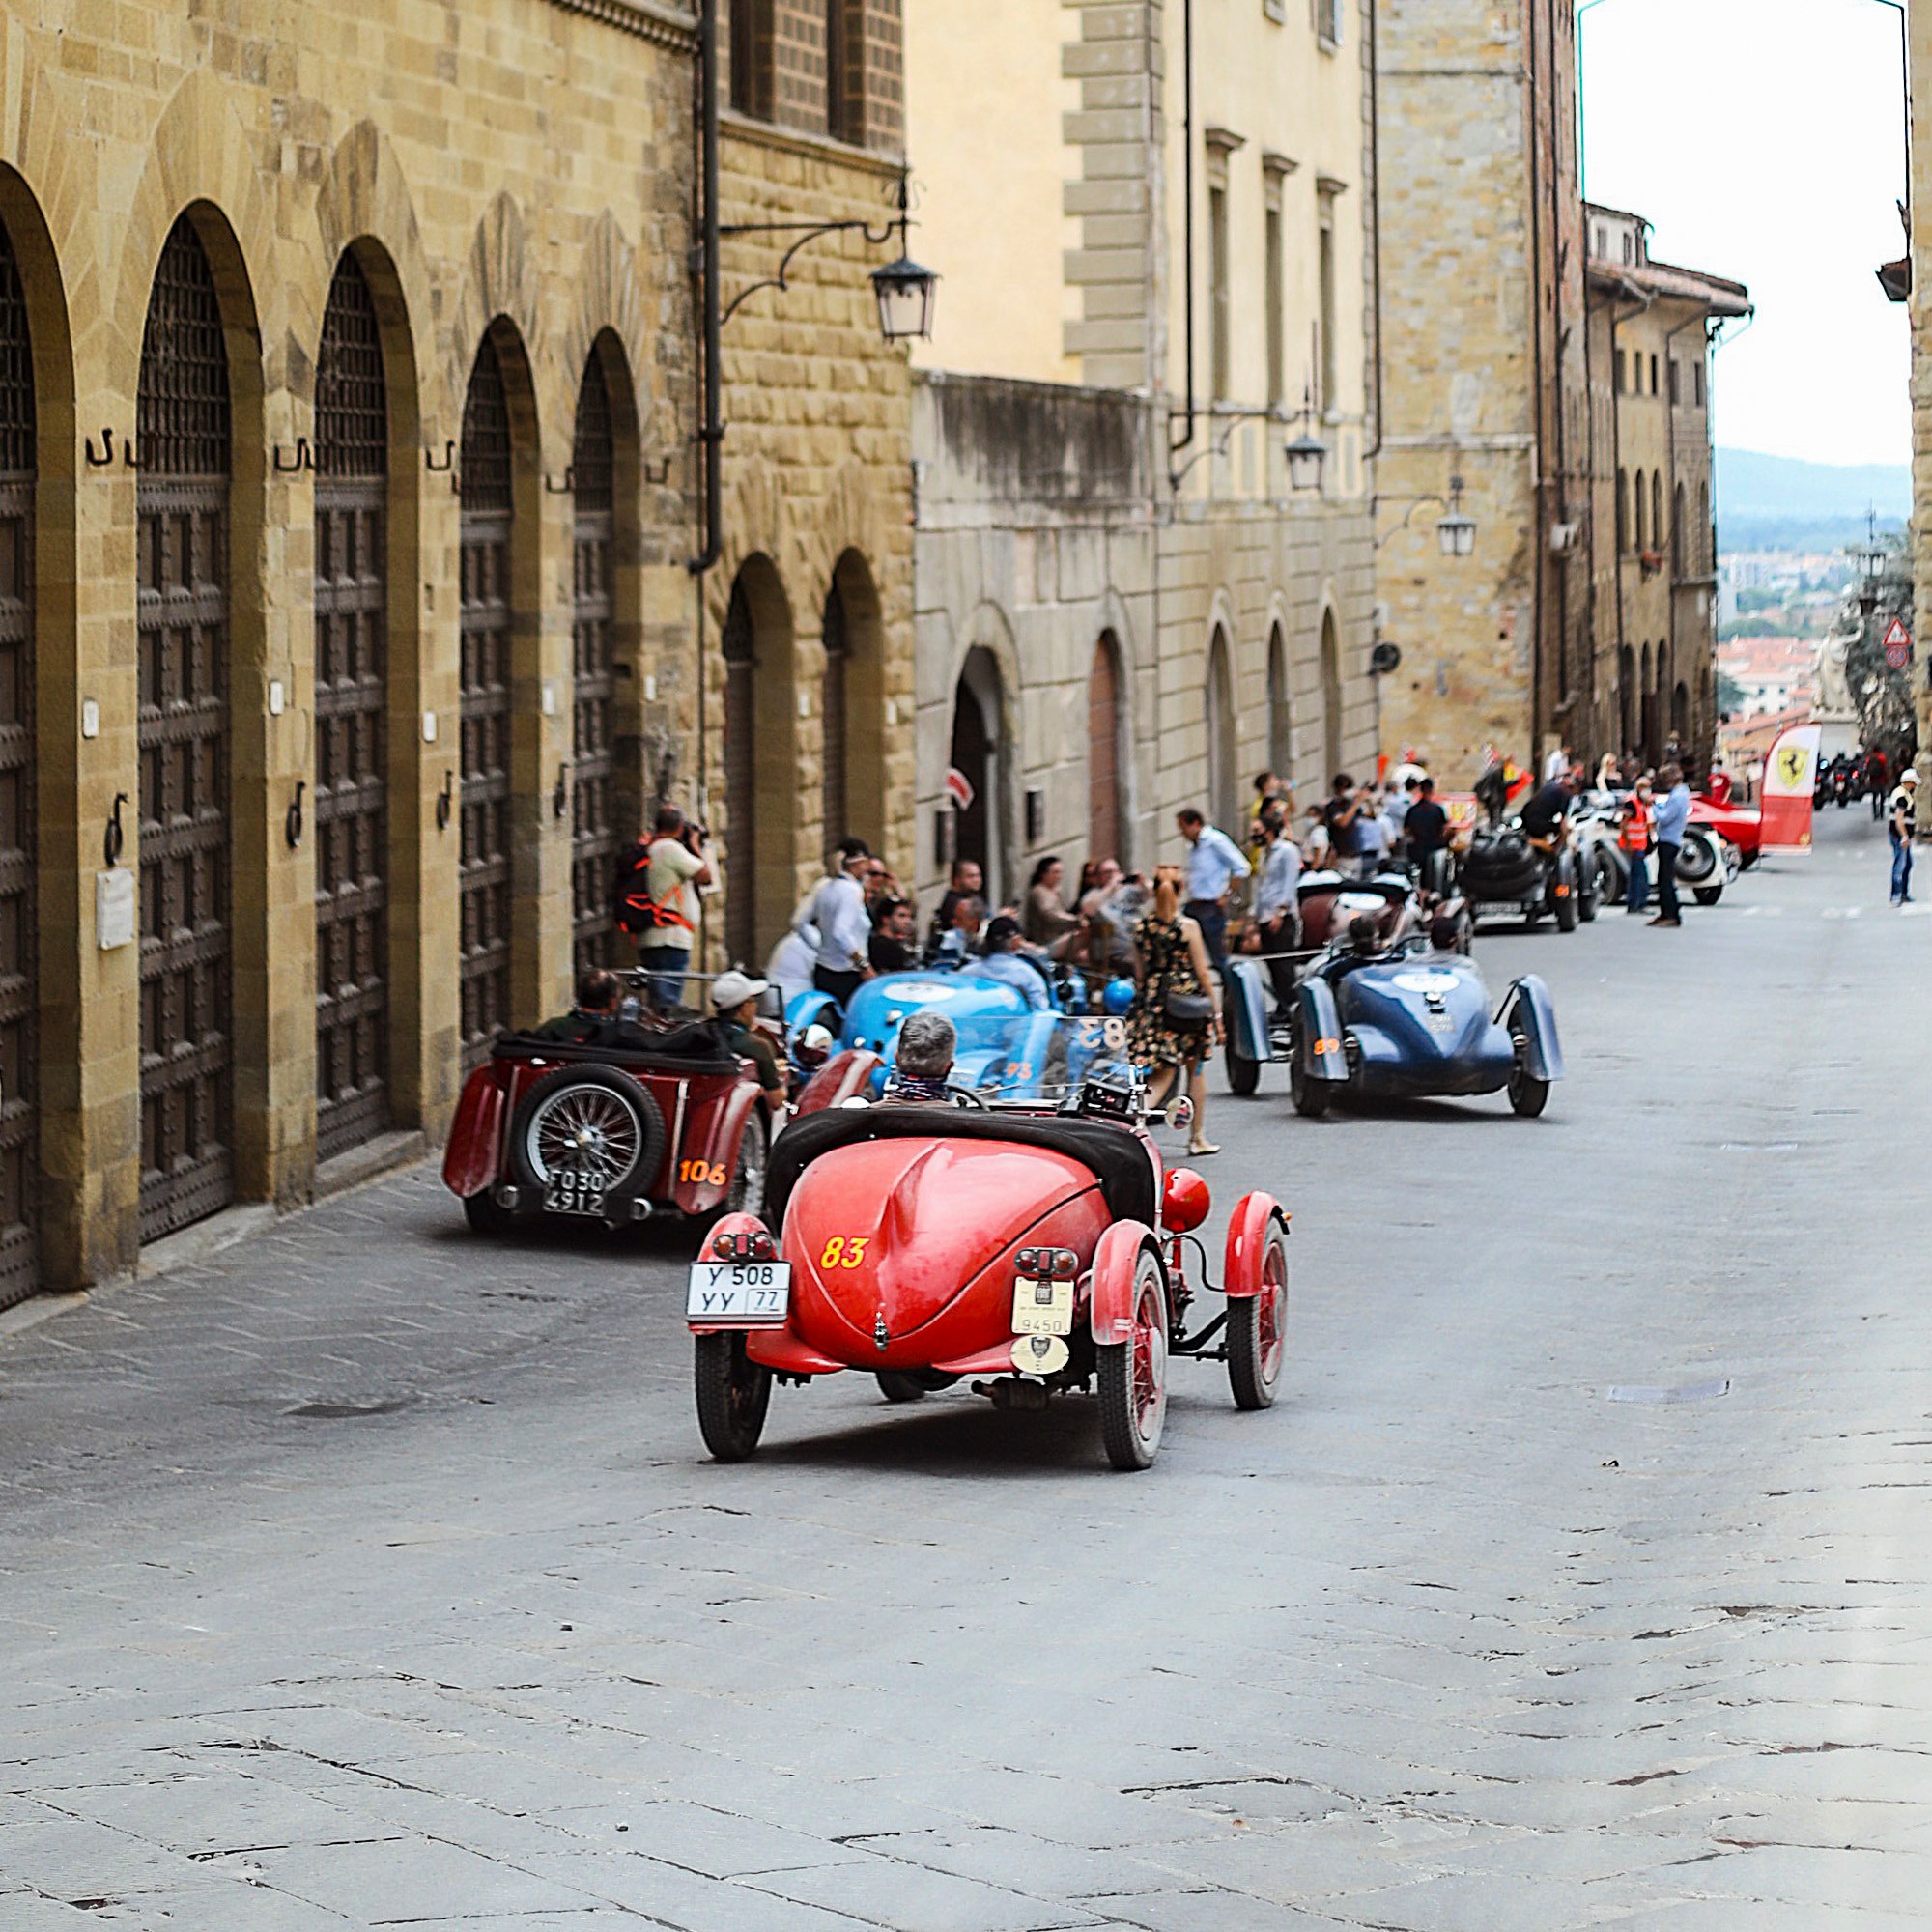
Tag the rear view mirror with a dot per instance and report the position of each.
(1180, 1114)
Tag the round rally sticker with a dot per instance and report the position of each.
(1426, 983)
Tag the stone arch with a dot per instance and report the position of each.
(1280, 702)
(1108, 835)
(609, 314)
(500, 284)
(202, 163)
(986, 667)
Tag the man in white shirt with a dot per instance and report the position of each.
(844, 930)
(1215, 862)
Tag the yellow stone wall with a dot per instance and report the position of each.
(1921, 24)
(519, 159)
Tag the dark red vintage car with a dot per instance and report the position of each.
(1041, 1251)
(665, 1121)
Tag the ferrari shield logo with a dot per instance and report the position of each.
(1792, 760)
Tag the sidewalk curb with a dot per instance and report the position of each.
(40, 1308)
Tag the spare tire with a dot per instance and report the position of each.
(585, 1140)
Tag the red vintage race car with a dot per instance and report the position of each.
(1743, 825)
(1036, 1249)
(661, 1121)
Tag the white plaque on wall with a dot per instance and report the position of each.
(114, 908)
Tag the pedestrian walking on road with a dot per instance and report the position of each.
(844, 932)
(1634, 840)
(1176, 1016)
(1673, 814)
(1902, 822)
(1215, 862)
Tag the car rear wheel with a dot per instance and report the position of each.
(1244, 1075)
(733, 1394)
(1309, 1094)
(1258, 1331)
(586, 1139)
(747, 1192)
(1132, 1375)
(1528, 1095)
(1708, 896)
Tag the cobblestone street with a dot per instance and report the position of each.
(368, 1574)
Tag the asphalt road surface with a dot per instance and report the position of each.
(371, 1574)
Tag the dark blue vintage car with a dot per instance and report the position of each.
(1408, 1023)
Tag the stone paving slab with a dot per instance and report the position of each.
(368, 1568)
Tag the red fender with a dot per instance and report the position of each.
(471, 1160)
(1247, 1241)
(1111, 1313)
(844, 1077)
(711, 1137)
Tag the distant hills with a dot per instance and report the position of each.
(1779, 503)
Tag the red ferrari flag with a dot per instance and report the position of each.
(1789, 774)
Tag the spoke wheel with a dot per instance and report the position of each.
(746, 1194)
(1132, 1376)
(1258, 1331)
(593, 1133)
(733, 1394)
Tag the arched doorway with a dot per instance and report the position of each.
(19, 976)
(853, 707)
(1647, 713)
(184, 436)
(1332, 736)
(760, 755)
(490, 540)
(1105, 822)
(603, 421)
(978, 738)
(1224, 804)
(1626, 700)
(351, 824)
(1680, 716)
(1281, 714)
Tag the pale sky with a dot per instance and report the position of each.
(1765, 140)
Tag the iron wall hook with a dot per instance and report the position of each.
(446, 801)
(106, 457)
(115, 839)
(559, 799)
(302, 459)
(566, 487)
(447, 464)
(292, 825)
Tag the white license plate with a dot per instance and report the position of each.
(1440, 1023)
(1043, 1308)
(739, 1295)
(573, 1197)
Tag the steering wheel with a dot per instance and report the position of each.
(967, 1095)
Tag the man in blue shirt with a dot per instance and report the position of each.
(1673, 813)
(1215, 862)
(1003, 962)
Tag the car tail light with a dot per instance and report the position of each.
(722, 1247)
(763, 1247)
(1027, 1261)
(1065, 1265)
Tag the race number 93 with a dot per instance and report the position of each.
(845, 1251)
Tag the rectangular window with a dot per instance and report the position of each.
(1328, 23)
(1330, 395)
(1623, 372)
(1278, 338)
(1676, 382)
(1653, 375)
(1221, 349)
(751, 57)
(1697, 370)
(843, 119)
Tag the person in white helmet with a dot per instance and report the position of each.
(1902, 820)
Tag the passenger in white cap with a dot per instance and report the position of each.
(1902, 822)
(734, 999)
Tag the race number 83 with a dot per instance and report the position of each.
(846, 1251)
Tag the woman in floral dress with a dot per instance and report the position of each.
(1172, 958)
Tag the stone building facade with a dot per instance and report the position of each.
(1485, 380)
(1653, 529)
(1157, 273)
(348, 353)
(807, 627)
(1918, 289)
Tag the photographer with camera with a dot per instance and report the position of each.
(657, 901)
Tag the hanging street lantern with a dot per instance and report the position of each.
(906, 293)
(1456, 529)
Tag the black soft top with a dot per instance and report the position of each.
(1114, 1157)
(687, 1049)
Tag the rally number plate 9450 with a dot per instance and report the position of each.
(739, 1295)
(1042, 1308)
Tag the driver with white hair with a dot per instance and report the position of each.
(928, 1042)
